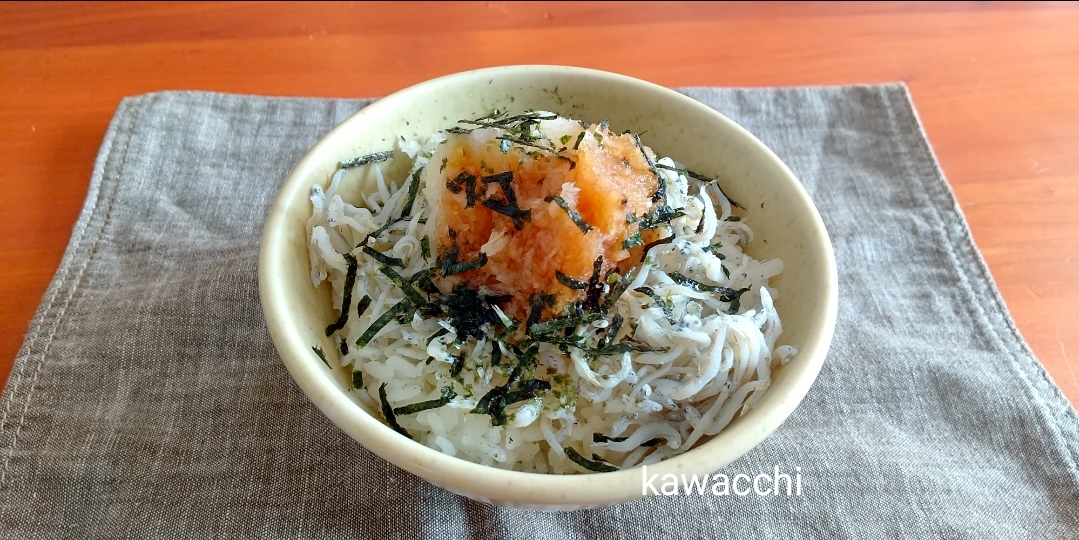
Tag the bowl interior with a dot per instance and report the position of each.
(784, 221)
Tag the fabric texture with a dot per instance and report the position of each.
(148, 400)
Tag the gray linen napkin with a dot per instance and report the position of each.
(148, 401)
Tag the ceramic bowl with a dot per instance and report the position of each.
(778, 209)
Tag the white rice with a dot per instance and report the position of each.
(713, 366)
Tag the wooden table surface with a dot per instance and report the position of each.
(997, 87)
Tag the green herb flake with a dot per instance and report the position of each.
(444, 162)
(425, 247)
(565, 139)
(387, 412)
(632, 241)
(592, 465)
(573, 215)
(357, 379)
(597, 136)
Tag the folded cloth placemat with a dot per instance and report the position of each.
(148, 400)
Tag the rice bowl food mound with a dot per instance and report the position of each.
(544, 295)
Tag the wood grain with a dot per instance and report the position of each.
(997, 87)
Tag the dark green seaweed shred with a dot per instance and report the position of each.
(654, 243)
(382, 257)
(634, 240)
(511, 211)
(701, 178)
(547, 327)
(447, 395)
(580, 138)
(733, 218)
(346, 302)
(387, 412)
(592, 465)
(466, 182)
(443, 167)
(496, 354)
(618, 288)
(438, 333)
(425, 247)
(569, 282)
(467, 312)
(573, 215)
(726, 294)
(495, 401)
(662, 214)
(661, 187)
(322, 355)
(661, 302)
(611, 332)
(357, 379)
(382, 321)
(450, 268)
(343, 347)
(457, 365)
(600, 438)
(700, 225)
(406, 287)
(594, 290)
(413, 189)
(364, 160)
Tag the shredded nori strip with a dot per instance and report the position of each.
(458, 365)
(343, 346)
(438, 333)
(346, 302)
(611, 332)
(595, 286)
(357, 379)
(573, 215)
(322, 355)
(511, 211)
(662, 214)
(382, 257)
(601, 438)
(425, 247)
(661, 302)
(661, 188)
(467, 182)
(382, 321)
(726, 294)
(413, 189)
(618, 288)
(569, 282)
(387, 412)
(547, 327)
(592, 465)
(412, 294)
(364, 160)
(450, 268)
(496, 354)
(580, 137)
(447, 395)
(498, 398)
(702, 178)
(654, 243)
